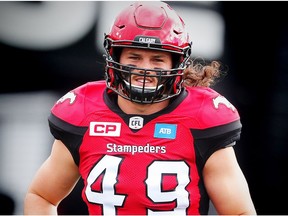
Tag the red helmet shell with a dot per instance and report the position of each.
(150, 24)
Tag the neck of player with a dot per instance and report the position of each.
(129, 107)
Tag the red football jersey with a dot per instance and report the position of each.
(144, 164)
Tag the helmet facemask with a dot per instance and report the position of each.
(122, 84)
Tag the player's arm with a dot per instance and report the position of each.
(53, 181)
(226, 184)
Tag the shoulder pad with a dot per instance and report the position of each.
(213, 109)
(75, 105)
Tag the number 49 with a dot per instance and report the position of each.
(109, 199)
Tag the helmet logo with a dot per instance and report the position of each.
(150, 40)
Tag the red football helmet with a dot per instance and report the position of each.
(148, 25)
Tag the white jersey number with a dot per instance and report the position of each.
(108, 166)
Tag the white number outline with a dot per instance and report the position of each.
(155, 174)
(109, 165)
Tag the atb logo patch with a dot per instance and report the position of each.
(136, 122)
(167, 131)
(111, 129)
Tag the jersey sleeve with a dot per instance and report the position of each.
(68, 117)
(219, 124)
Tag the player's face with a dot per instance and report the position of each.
(147, 59)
